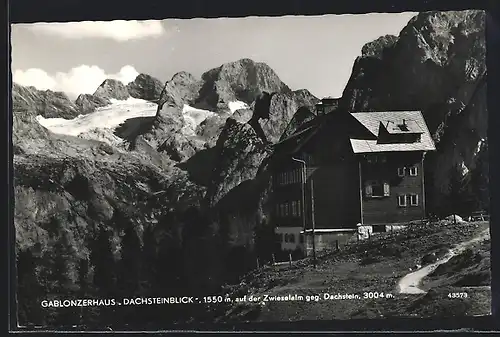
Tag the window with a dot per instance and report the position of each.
(299, 208)
(286, 238)
(291, 238)
(282, 209)
(413, 199)
(294, 208)
(286, 209)
(402, 200)
(401, 171)
(387, 189)
(368, 190)
(375, 188)
(413, 171)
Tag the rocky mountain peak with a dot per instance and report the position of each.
(242, 80)
(145, 87)
(183, 77)
(182, 89)
(376, 48)
(112, 89)
(46, 103)
(88, 103)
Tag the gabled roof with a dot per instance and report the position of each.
(390, 120)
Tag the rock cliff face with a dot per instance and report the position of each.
(437, 65)
(46, 103)
(276, 113)
(240, 152)
(240, 81)
(112, 89)
(89, 103)
(180, 90)
(145, 87)
(243, 80)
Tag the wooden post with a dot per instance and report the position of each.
(313, 223)
(424, 209)
(360, 191)
(290, 258)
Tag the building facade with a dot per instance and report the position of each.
(337, 172)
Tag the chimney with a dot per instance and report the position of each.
(320, 108)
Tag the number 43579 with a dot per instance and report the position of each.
(457, 295)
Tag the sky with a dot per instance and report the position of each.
(307, 52)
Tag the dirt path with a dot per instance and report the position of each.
(410, 283)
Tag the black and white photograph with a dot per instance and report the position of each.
(253, 169)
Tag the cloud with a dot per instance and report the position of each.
(119, 30)
(34, 77)
(83, 79)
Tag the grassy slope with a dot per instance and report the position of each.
(375, 265)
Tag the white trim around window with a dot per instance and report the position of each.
(413, 171)
(402, 200)
(413, 199)
(401, 171)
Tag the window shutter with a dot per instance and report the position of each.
(368, 190)
(387, 189)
